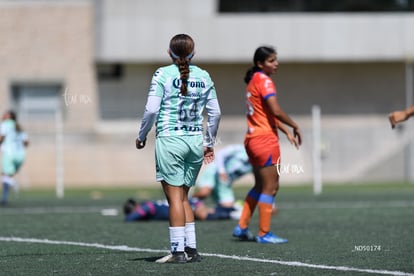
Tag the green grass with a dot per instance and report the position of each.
(353, 226)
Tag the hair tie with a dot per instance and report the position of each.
(190, 56)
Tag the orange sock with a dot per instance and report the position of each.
(265, 213)
(249, 205)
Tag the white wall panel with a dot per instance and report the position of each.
(140, 31)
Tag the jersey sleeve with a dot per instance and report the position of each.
(213, 115)
(4, 128)
(157, 84)
(212, 93)
(24, 137)
(220, 156)
(150, 115)
(153, 104)
(213, 121)
(268, 88)
(224, 154)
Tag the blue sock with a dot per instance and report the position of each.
(5, 192)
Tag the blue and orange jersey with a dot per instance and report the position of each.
(260, 120)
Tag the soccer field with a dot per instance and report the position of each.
(348, 230)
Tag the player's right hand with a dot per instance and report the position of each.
(208, 155)
(140, 144)
(293, 141)
(397, 117)
(298, 135)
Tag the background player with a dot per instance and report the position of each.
(230, 163)
(262, 144)
(159, 210)
(13, 142)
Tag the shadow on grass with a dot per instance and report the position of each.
(147, 259)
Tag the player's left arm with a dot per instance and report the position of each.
(220, 157)
(288, 134)
(213, 121)
(2, 133)
(25, 139)
(150, 115)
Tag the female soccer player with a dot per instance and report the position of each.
(158, 210)
(230, 163)
(13, 142)
(176, 100)
(262, 145)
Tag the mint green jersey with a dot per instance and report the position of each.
(178, 114)
(8, 131)
(13, 142)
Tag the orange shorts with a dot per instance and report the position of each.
(263, 150)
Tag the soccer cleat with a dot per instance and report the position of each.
(192, 255)
(243, 234)
(269, 237)
(173, 258)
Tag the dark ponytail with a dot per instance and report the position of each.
(260, 55)
(183, 66)
(249, 73)
(182, 51)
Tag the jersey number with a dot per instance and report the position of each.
(187, 111)
(249, 105)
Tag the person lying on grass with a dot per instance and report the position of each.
(158, 210)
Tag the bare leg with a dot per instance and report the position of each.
(175, 198)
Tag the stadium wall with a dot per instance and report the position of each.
(139, 31)
(355, 149)
(49, 43)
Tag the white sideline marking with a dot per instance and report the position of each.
(234, 257)
(56, 210)
(300, 264)
(96, 245)
(350, 205)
